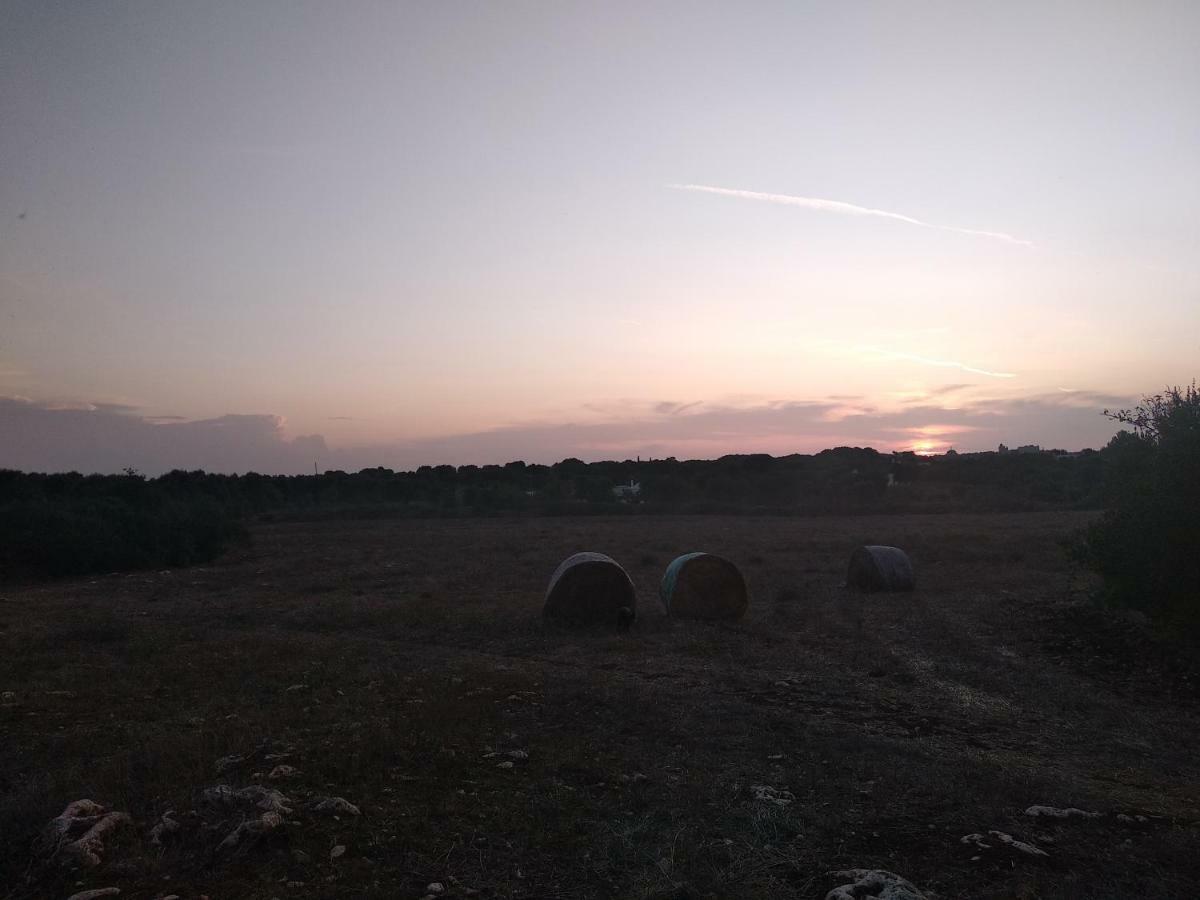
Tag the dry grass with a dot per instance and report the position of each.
(897, 723)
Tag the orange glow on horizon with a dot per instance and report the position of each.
(928, 448)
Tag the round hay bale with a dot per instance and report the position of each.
(878, 568)
(703, 586)
(590, 589)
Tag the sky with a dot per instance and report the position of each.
(265, 235)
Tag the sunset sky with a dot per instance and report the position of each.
(253, 235)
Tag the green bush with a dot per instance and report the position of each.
(103, 534)
(1146, 545)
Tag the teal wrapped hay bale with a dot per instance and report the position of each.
(590, 589)
(703, 586)
(878, 568)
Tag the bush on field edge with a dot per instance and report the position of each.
(1146, 545)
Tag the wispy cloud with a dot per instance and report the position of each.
(672, 408)
(848, 209)
(941, 363)
(948, 389)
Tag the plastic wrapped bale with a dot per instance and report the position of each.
(590, 589)
(703, 586)
(877, 568)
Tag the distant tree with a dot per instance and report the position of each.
(1146, 545)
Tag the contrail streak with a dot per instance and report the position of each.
(847, 209)
(944, 363)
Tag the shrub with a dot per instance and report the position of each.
(82, 535)
(1146, 545)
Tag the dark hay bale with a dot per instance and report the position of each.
(590, 589)
(877, 568)
(703, 586)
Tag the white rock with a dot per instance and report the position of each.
(267, 798)
(251, 829)
(1057, 813)
(167, 824)
(435, 887)
(228, 762)
(219, 795)
(93, 821)
(1020, 846)
(337, 805)
(338, 850)
(768, 794)
(96, 892)
(283, 771)
(873, 884)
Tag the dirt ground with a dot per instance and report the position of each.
(404, 667)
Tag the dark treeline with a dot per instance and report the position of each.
(71, 523)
